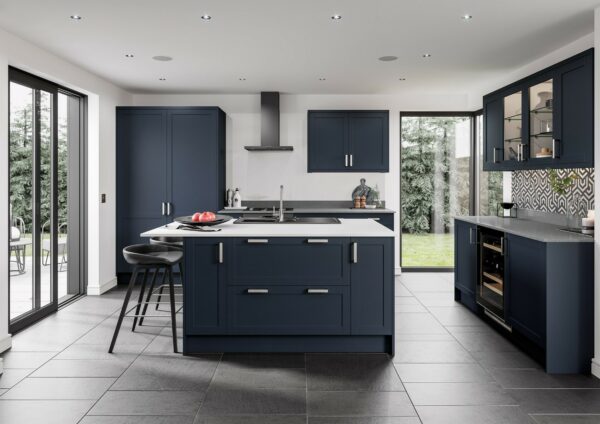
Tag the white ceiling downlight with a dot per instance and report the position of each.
(76, 17)
(206, 17)
(336, 17)
(388, 58)
(466, 17)
(129, 55)
(162, 58)
(242, 78)
(322, 79)
(162, 79)
(426, 55)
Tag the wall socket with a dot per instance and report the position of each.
(103, 198)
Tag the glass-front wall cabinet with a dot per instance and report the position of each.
(513, 122)
(541, 121)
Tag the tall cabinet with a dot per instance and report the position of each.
(170, 162)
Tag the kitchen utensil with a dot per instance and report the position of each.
(187, 220)
(196, 228)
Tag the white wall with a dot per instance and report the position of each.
(259, 174)
(103, 97)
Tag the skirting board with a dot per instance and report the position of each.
(94, 290)
(596, 367)
(398, 271)
(5, 343)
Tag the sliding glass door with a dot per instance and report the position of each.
(42, 212)
(435, 186)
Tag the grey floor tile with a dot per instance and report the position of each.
(402, 291)
(43, 411)
(162, 344)
(364, 420)
(431, 352)
(455, 316)
(352, 372)
(538, 379)
(148, 403)
(432, 299)
(91, 419)
(447, 394)
(253, 419)
(157, 372)
(418, 324)
(265, 360)
(566, 419)
(236, 376)
(495, 359)
(410, 309)
(25, 359)
(227, 401)
(427, 283)
(100, 351)
(366, 404)
(472, 415)
(443, 373)
(558, 401)
(102, 334)
(59, 388)
(425, 338)
(486, 340)
(82, 368)
(11, 377)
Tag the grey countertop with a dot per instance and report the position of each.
(314, 210)
(534, 230)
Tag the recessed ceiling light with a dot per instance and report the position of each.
(467, 17)
(426, 55)
(402, 79)
(75, 17)
(129, 55)
(242, 79)
(162, 79)
(162, 58)
(336, 17)
(206, 17)
(388, 58)
(322, 79)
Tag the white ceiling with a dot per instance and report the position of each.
(287, 45)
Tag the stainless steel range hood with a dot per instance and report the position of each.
(269, 124)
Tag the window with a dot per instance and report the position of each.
(490, 185)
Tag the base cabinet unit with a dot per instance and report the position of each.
(162, 155)
(539, 291)
(348, 141)
(285, 294)
(543, 121)
(465, 263)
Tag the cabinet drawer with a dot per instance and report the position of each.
(293, 261)
(280, 310)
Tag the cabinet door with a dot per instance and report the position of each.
(276, 310)
(372, 285)
(141, 176)
(493, 117)
(574, 104)
(465, 262)
(368, 141)
(327, 141)
(525, 276)
(195, 162)
(205, 286)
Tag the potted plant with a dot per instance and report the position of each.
(562, 187)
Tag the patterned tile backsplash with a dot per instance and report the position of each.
(531, 190)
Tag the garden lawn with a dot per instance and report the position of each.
(427, 250)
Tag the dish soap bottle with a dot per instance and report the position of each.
(237, 199)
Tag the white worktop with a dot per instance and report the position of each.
(315, 210)
(346, 228)
(527, 228)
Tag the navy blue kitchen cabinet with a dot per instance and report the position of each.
(348, 141)
(465, 263)
(289, 261)
(525, 295)
(170, 162)
(542, 121)
(205, 286)
(372, 286)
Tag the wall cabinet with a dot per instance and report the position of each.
(170, 162)
(543, 121)
(348, 141)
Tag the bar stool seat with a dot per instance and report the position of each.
(175, 242)
(146, 258)
(167, 241)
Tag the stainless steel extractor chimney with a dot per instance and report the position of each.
(269, 124)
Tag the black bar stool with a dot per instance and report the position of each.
(175, 242)
(148, 257)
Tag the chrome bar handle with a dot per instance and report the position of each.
(502, 246)
(495, 158)
(163, 205)
(351, 161)
(317, 291)
(257, 291)
(168, 208)
(346, 160)
(258, 241)
(554, 143)
(473, 240)
(221, 258)
(354, 253)
(317, 241)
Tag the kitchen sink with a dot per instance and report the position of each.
(287, 220)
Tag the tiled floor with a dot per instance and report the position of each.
(449, 367)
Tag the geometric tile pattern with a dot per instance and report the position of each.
(531, 190)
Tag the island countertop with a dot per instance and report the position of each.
(346, 228)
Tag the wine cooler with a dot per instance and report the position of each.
(490, 284)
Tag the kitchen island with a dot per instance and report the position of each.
(283, 287)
